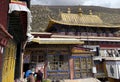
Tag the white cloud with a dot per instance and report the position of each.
(104, 3)
(57, 2)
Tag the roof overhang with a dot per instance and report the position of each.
(41, 34)
(52, 22)
(57, 41)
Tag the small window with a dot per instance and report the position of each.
(34, 58)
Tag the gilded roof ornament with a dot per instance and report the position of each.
(69, 11)
(90, 12)
(80, 11)
(59, 11)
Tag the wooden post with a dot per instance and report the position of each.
(21, 70)
(22, 54)
(71, 63)
(45, 70)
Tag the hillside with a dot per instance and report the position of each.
(40, 14)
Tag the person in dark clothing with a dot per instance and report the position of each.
(39, 76)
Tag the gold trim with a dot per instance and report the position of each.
(57, 41)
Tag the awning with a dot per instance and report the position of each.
(21, 6)
(57, 41)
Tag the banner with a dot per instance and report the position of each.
(113, 69)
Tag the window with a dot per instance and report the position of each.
(34, 58)
(58, 62)
(37, 56)
(82, 67)
(58, 67)
(62, 31)
(71, 31)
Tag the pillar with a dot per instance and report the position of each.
(21, 69)
(18, 62)
(71, 63)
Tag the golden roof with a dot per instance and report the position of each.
(80, 19)
(52, 22)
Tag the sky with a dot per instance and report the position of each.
(103, 3)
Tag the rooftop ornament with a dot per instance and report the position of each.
(80, 11)
(90, 12)
(69, 11)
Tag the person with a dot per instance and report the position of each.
(39, 76)
(28, 73)
(30, 78)
(33, 69)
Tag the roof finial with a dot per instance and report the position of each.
(69, 11)
(90, 12)
(80, 11)
(59, 11)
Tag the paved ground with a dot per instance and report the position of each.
(67, 80)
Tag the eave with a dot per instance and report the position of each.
(41, 34)
(52, 22)
(57, 41)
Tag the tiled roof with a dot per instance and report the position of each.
(81, 19)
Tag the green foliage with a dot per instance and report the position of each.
(46, 80)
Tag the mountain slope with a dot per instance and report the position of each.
(40, 14)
